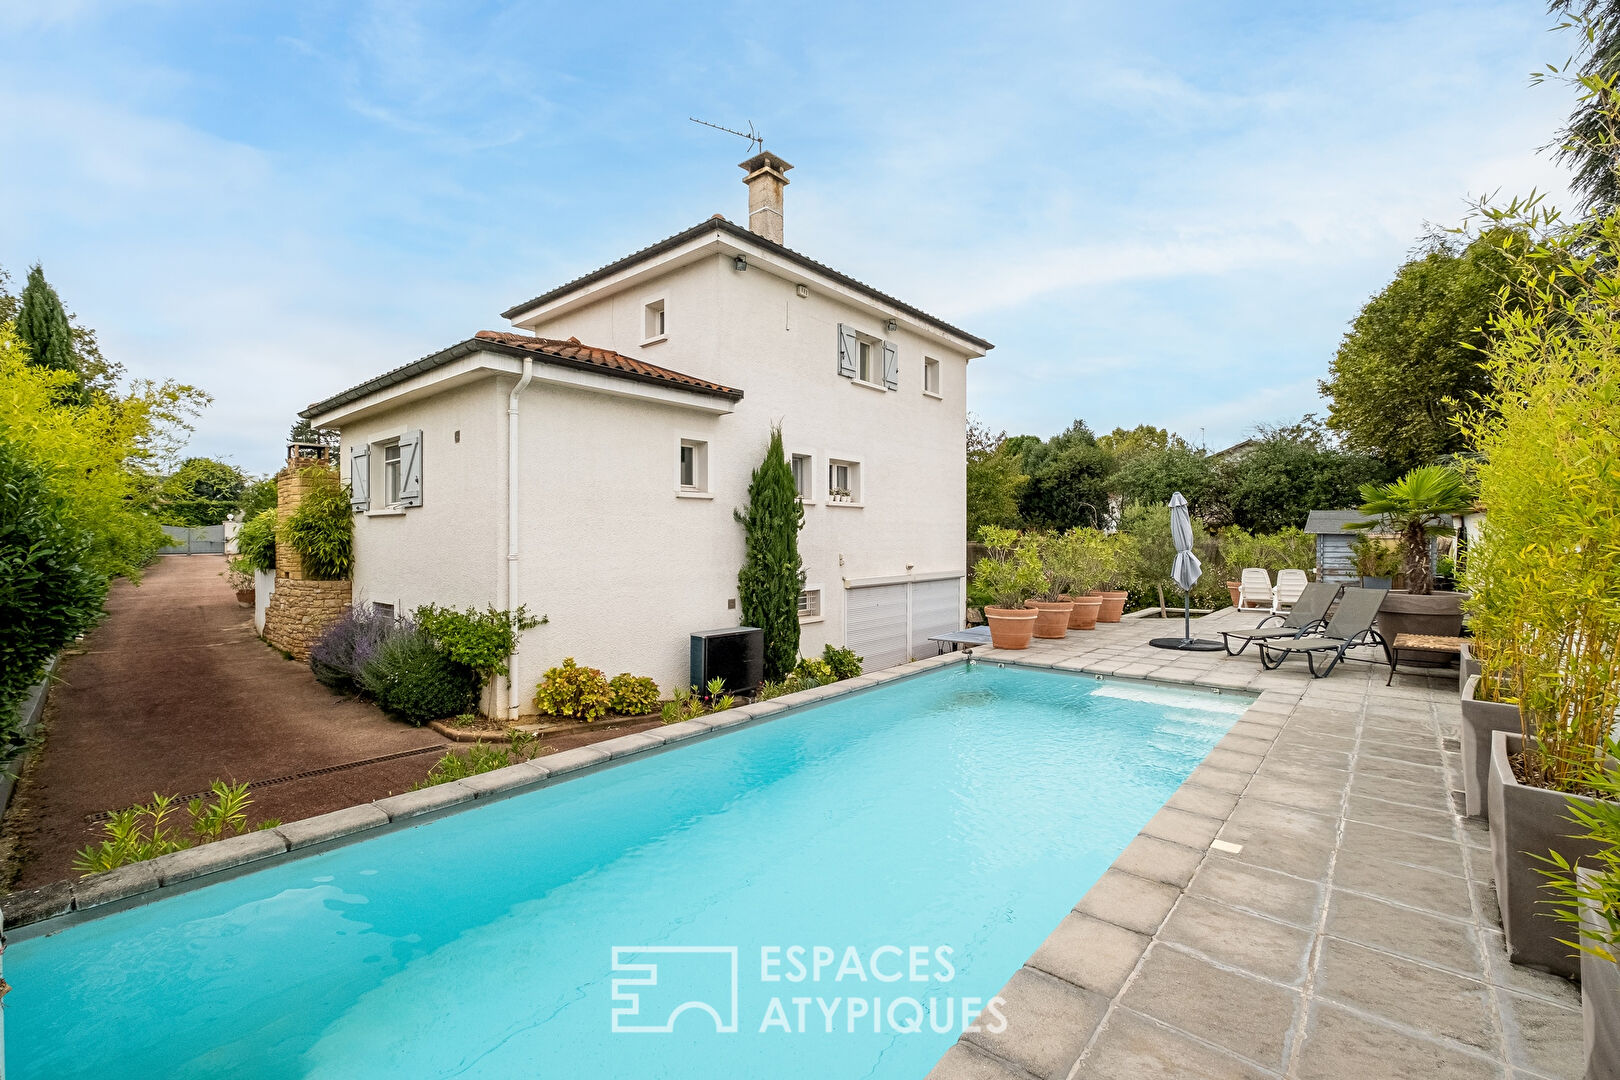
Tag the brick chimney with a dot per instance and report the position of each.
(766, 178)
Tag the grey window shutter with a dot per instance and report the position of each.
(410, 468)
(891, 365)
(848, 347)
(360, 478)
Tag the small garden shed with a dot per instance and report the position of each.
(1334, 560)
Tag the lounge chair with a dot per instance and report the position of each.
(1255, 589)
(1306, 615)
(1290, 584)
(1351, 625)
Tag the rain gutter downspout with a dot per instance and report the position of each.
(512, 432)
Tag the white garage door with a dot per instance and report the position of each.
(875, 625)
(936, 608)
(890, 624)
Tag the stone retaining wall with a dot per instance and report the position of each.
(300, 610)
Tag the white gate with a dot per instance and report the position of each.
(889, 624)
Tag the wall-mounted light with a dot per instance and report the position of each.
(802, 290)
(891, 326)
(740, 262)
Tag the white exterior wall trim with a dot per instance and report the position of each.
(506, 706)
(901, 579)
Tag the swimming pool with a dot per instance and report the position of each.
(929, 833)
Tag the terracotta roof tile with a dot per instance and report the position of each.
(571, 353)
(607, 359)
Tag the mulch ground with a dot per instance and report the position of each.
(172, 691)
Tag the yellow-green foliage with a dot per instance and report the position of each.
(99, 455)
(633, 695)
(581, 693)
(1545, 568)
(321, 528)
(1286, 549)
(145, 832)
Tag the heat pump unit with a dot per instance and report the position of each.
(735, 654)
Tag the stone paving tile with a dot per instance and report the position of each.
(1274, 950)
(1448, 943)
(1414, 995)
(1259, 891)
(1133, 1046)
(1049, 1023)
(1234, 1011)
(1353, 932)
(1340, 1045)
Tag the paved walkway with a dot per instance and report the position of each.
(1354, 933)
(172, 691)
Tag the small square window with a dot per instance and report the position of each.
(931, 376)
(810, 604)
(391, 474)
(383, 611)
(843, 481)
(801, 476)
(693, 472)
(653, 326)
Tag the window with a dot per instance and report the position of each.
(843, 481)
(931, 376)
(391, 475)
(864, 362)
(653, 327)
(693, 475)
(801, 476)
(810, 604)
(383, 611)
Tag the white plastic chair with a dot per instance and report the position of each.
(1255, 589)
(1290, 583)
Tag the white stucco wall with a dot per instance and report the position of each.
(625, 567)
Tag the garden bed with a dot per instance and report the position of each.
(487, 730)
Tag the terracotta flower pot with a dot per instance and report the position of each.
(245, 597)
(1052, 617)
(1113, 604)
(1236, 589)
(1010, 628)
(1084, 614)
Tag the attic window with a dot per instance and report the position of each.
(653, 323)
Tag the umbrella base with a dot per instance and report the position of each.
(1185, 644)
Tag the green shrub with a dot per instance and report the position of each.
(49, 594)
(410, 678)
(843, 663)
(256, 541)
(321, 529)
(144, 832)
(569, 690)
(479, 758)
(772, 573)
(819, 670)
(633, 695)
(691, 701)
(480, 639)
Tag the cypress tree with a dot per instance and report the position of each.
(772, 575)
(42, 325)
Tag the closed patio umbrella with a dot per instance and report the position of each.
(1184, 572)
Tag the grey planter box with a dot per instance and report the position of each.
(1467, 668)
(1600, 1003)
(1479, 720)
(1529, 821)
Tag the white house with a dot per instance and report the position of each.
(586, 463)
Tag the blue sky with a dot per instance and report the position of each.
(1160, 213)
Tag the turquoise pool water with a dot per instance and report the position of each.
(929, 833)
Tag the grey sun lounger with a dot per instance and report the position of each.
(1306, 615)
(1351, 625)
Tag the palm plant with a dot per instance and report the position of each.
(1419, 505)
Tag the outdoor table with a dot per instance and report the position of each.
(973, 635)
(1420, 643)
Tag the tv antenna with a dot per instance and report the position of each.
(756, 141)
